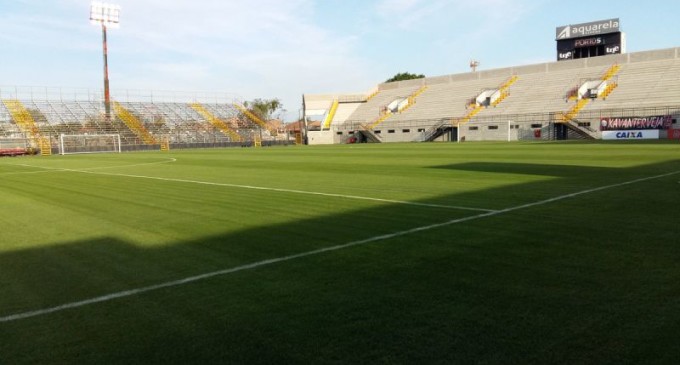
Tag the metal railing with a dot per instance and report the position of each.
(44, 93)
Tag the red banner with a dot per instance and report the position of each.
(628, 123)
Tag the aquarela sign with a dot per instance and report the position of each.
(587, 29)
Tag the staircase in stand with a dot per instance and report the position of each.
(133, 123)
(502, 95)
(45, 146)
(215, 121)
(368, 134)
(613, 70)
(380, 119)
(503, 90)
(478, 108)
(608, 90)
(254, 118)
(585, 132)
(411, 100)
(572, 113)
(165, 145)
(331, 114)
(436, 130)
(24, 120)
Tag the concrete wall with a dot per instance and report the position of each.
(655, 55)
(530, 69)
(485, 132)
(464, 77)
(438, 80)
(320, 137)
(525, 131)
(499, 72)
(412, 83)
(318, 104)
(330, 97)
(398, 134)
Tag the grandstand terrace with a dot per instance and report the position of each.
(144, 120)
(555, 100)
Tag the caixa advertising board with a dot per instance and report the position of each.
(631, 134)
(626, 128)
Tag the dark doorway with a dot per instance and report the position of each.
(560, 131)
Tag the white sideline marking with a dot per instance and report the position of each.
(293, 191)
(252, 187)
(26, 172)
(254, 265)
(51, 169)
(166, 160)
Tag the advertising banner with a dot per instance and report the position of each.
(587, 29)
(631, 134)
(566, 55)
(629, 123)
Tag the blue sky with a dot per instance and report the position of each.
(276, 48)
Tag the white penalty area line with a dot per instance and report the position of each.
(254, 265)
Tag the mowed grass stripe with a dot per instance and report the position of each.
(432, 294)
(560, 283)
(275, 260)
(115, 224)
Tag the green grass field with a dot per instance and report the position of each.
(492, 253)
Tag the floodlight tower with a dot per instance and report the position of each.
(108, 15)
(473, 65)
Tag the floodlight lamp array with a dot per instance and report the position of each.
(105, 14)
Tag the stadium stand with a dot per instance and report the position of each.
(40, 118)
(555, 100)
(216, 121)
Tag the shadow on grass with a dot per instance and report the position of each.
(456, 294)
(563, 171)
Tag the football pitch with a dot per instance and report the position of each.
(382, 253)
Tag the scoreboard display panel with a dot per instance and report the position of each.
(600, 38)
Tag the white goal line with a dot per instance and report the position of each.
(254, 265)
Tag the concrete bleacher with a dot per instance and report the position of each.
(345, 111)
(176, 121)
(371, 109)
(648, 83)
(645, 81)
(318, 107)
